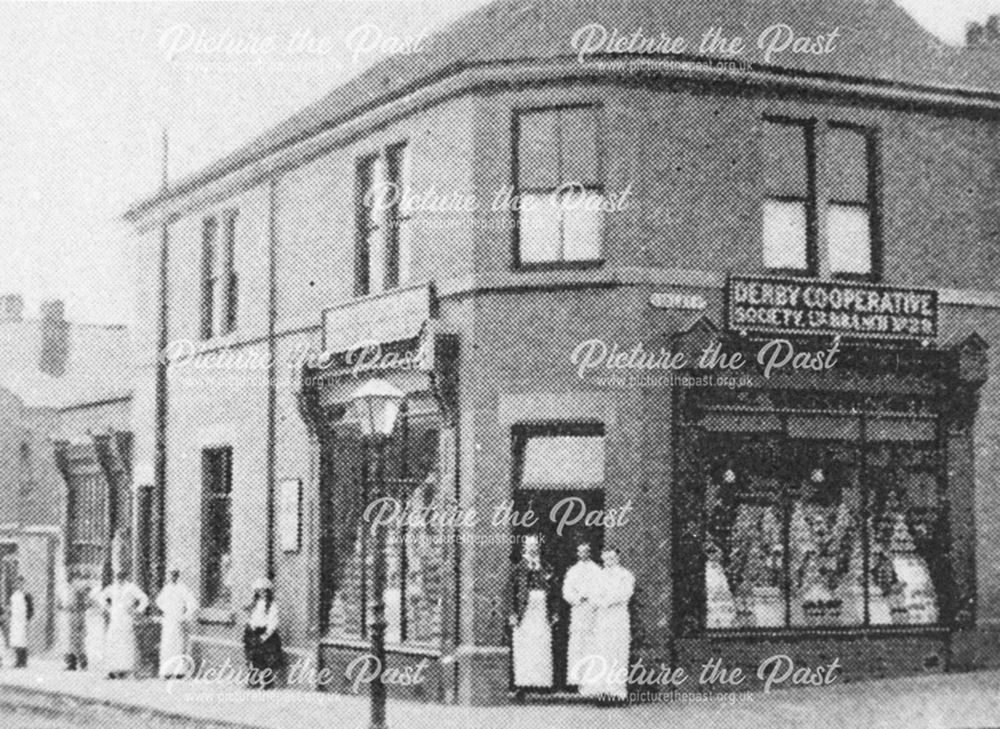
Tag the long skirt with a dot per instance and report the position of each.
(173, 657)
(119, 644)
(532, 645)
(264, 657)
(93, 642)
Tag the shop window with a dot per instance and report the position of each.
(849, 230)
(415, 549)
(789, 209)
(806, 532)
(559, 190)
(219, 281)
(87, 514)
(384, 227)
(216, 539)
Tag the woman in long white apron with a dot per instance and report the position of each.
(531, 635)
(124, 601)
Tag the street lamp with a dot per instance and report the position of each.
(376, 405)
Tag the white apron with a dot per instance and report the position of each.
(18, 620)
(119, 643)
(532, 645)
(177, 604)
(578, 587)
(608, 675)
(93, 642)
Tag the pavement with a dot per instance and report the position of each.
(952, 701)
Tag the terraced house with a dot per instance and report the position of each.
(832, 183)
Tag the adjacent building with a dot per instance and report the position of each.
(64, 454)
(842, 200)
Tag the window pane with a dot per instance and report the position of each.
(906, 542)
(538, 150)
(784, 160)
(583, 224)
(785, 235)
(538, 229)
(849, 235)
(579, 147)
(847, 165)
(404, 231)
(376, 261)
(562, 460)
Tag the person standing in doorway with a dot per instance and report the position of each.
(578, 591)
(531, 631)
(606, 674)
(177, 603)
(21, 610)
(123, 600)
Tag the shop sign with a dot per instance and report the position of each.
(806, 306)
(678, 300)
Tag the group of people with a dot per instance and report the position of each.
(597, 655)
(97, 627)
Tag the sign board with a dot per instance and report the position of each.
(678, 300)
(394, 316)
(809, 306)
(290, 514)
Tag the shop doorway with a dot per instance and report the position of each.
(560, 532)
(8, 571)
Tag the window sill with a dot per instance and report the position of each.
(832, 631)
(216, 616)
(413, 649)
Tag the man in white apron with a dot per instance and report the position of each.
(607, 675)
(21, 612)
(178, 605)
(578, 587)
(123, 601)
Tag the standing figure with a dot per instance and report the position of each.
(261, 640)
(577, 590)
(177, 603)
(123, 600)
(531, 639)
(94, 624)
(21, 611)
(72, 608)
(607, 675)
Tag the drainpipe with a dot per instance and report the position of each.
(272, 367)
(160, 435)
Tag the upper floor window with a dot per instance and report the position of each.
(559, 189)
(850, 157)
(383, 221)
(789, 203)
(795, 223)
(219, 281)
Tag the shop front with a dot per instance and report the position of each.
(393, 338)
(826, 512)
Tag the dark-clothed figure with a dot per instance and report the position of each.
(261, 639)
(531, 634)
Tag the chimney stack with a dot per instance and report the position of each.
(11, 307)
(55, 339)
(981, 34)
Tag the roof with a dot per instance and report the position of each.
(95, 369)
(878, 41)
